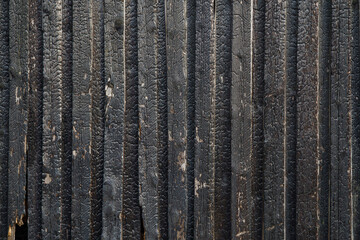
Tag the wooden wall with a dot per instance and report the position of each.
(179, 119)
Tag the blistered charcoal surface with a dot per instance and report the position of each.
(179, 119)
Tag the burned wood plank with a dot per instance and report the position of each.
(355, 111)
(152, 76)
(57, 126)
(340, 178)
(257, 130)
(162, 120)
(97, 91)
(88, 119)
(205, 83)
(153, 118)
(66, 113)
(81, 117)
(291, 37)
(242, 203)
(307, 112)
(18, 113)
(274, 119)
(131, 212)
(177, 118)
(114, 116)
(212, 121)
(35, 120)
(323, 138)
(52, 136)
(191, 132)
(222, 121)
(4, 116)
(180, 61)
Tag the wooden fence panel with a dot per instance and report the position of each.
(168, 119)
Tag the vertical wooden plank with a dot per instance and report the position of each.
(162, 120)
(274, 119)
(222, 122)
(66, 113)
(242, 204)
(205, 83)
(131, 212)
(97, 91)
(291, 36)
(340, 181)
(177, 117)
(335, 120)
(191, 132)
(323, 115)
(355, 127)
(87, 177)
(18, 115)
(4, 116)
(35, 117)
(52, 102)
(114, 116)
(57, 126)
(180, 61)
(81, 120)
(153, 118)
(257, 98)
(307, 130)
(344, 119)
(213, 121)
